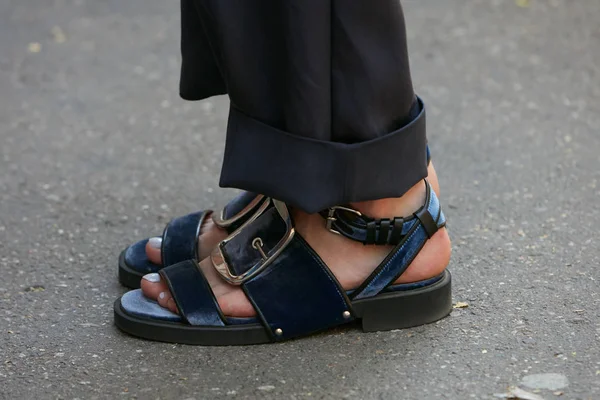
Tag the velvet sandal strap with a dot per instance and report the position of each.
(292, 290)
(298, 295)
(192, 294)
(422, 226)
(180, 238)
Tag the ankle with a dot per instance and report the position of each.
(392, 207)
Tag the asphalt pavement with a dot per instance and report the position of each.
(98, 150)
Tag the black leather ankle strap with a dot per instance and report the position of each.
(354, 225)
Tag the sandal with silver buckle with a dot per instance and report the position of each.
(291, 288)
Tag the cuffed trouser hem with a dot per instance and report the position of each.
(313, 174)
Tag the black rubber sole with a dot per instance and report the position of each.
(387, 311)
(400, 310)
(176, 332)
(128, 276)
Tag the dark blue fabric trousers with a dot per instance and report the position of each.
(322, 106)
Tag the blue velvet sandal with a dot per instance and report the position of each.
(180, 238)
(291, 288)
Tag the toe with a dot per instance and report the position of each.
(154, 288)
(152, 285)
(210, 236)
(232, 299)
(166, 300)
(236, 304)
(153, 250)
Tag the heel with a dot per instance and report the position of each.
(399, 310)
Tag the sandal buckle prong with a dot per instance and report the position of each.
(257, 244)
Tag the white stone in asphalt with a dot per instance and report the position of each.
(550, 381)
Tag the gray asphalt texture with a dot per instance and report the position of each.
(98, 150)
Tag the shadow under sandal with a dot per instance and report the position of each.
(291, 288)
(180, 238)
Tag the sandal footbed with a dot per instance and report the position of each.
(135, 303)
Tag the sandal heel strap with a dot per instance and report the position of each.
(425, 223)
(356, 226)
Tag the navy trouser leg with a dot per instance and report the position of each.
(322, 106)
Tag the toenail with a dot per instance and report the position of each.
(162, 295)
(153, 277)
(155, 242)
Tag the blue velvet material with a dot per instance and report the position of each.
(434, 204)
(192, 294)
(281, 293)
(180, 238)
(428, 155)
(297, 293)
(404, 287)
(403, 254)
(135, 303)
(136, 258)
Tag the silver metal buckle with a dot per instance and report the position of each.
(218, 259)
(224, 223)
(331, 219)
